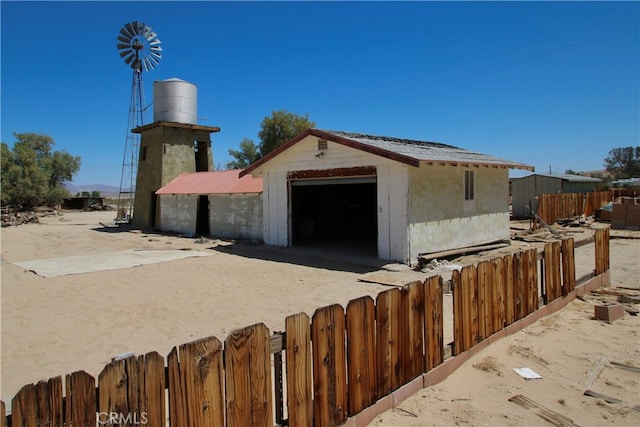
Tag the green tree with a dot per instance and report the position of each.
(623, 162)
(95, 194)
(280, 128)
(247, 154)
(33, 174)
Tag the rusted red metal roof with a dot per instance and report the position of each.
(215, 182)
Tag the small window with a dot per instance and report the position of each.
(469, 191)
(143, 153)
(322, 144)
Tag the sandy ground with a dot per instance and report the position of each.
(54, 326)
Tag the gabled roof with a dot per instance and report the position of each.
(216, 182)
(565, 177)
(406, 151)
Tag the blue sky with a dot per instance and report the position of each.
(550, 84)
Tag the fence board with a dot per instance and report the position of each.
(298, 354)
(471, 315)
(595, 200)
(433, 322)
(112, 386)
(466, 308)
(53, 394)
(552, 273)
(499, 296)
(248, 377)
(509, 290)
(177, 398)
(388, 304)
(329, 374)
(24, 407)
(485, 281)
(520, 298)
(361, 353)
(568, 266)
(80, 404)
(152, 400)
(602, 250)
(458, 312)
(531, 280)
(199, 375)
(412, 355)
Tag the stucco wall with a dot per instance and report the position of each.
(237, 216)
(165, 153)
(440, 218)
(178, 213)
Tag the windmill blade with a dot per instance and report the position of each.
(150, 35)
(122, 40)
(126, 52)
(153, 61)
(130, 58)
(156, 42)
(156, 57)
(126, 33)
(121, 46)
(131, 27)
(140, 28)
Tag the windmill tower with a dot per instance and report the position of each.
(139, 47)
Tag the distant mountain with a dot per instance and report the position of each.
(105, 190)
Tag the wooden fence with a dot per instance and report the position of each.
(552, 207)
(335, 364)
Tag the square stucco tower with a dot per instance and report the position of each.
(169, 146)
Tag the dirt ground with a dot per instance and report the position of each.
(57, 325)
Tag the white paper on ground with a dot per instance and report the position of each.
(527, 373)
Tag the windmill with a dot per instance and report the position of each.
(139, 47)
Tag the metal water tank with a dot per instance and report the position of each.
(175, 100)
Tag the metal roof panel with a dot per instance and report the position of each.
(213, 182)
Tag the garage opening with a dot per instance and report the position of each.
(335, 214)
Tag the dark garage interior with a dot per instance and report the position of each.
(337, 214)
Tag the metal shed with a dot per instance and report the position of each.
(524, 190)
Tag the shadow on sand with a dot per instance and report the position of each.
(349, 256)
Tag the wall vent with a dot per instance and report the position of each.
(322, 144)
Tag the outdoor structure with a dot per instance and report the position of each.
(392, 197)
(219, 204)
(171, 145)
(524, 190)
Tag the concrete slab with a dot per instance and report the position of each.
(78, 264)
